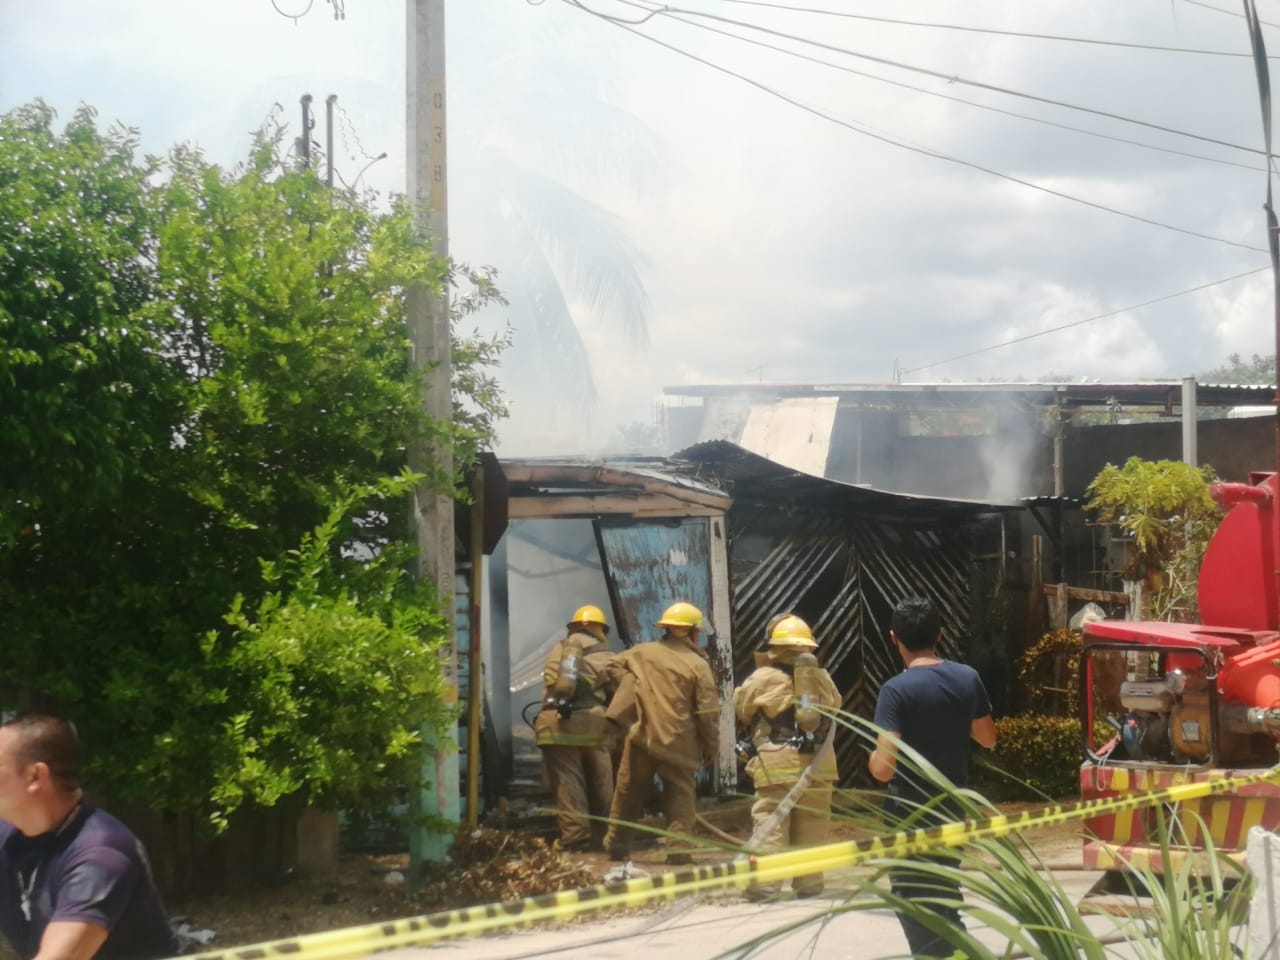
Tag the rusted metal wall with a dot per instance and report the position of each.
(650, 565)
(844, 575)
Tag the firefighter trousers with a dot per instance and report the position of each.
(581, 781)
(679, 800)
(805, 826)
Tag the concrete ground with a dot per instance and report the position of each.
(723, 925)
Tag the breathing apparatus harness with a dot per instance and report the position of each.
(801, 723)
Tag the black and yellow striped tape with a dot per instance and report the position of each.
(472, 921)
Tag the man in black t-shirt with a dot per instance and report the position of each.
(938, 708)
(75, 883)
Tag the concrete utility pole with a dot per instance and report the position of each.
(429, 327)
(1189, 452)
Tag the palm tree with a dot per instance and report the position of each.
(532, 130)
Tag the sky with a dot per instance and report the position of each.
(856, 230)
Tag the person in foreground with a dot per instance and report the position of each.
(75, 883)
(938, 708)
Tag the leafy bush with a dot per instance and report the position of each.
(1035, 757)
(1166, 507)
(206, 413)
(1045, 680)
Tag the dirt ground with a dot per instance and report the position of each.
(366, 889)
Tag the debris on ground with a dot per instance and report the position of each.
(488, 865)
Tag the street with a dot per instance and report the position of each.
(723, 925)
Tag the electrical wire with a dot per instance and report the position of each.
(1229, 13)
(671, 12)
(295, 17)
(924, 151)
(970, 103)
(619, 20)
(991, 31)
(1077, 323)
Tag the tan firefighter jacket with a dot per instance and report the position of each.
(668, 701)
(765, 704)
(585, 727)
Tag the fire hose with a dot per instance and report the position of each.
(784, 808)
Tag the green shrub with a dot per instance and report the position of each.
(1035, 757)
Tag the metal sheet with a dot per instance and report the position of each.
(649, 566)
(845, 575)
(795, 432)
(652, 565)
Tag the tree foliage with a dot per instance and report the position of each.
(1259, 368)
(1166, 507)
(86, 394)
(207, 404)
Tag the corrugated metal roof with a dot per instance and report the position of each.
(749, 476)
(1159, 393)
(1049, 499)
(603, 473)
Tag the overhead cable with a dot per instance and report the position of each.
(897, 142)
(991, 31)
(671, 13)
(969, 103)
(1078, 323)
(1229, 13)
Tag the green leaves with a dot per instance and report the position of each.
(206, 405)
(1166, 507)
(83, 391)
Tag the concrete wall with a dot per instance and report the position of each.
(1014, 462)
(1231, 447)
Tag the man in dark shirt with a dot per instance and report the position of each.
(937, 708)
(75, 883)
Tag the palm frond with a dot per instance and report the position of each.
(1009, 891)
(588, 244)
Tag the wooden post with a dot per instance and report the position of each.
(475, 686)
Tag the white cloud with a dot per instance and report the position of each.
(774, 237)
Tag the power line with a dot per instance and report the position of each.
(970, 103)
(295, 17)
(1077, 323)
(990, 30)
(671, 12)
(893, 141)
(1229, 13)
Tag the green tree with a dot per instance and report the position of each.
(1166, 508)
(86, 391)
(220, 595)
(1259, 368)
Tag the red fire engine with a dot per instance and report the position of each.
(1191, 702)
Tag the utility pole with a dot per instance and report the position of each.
(304, 140)
(329, 101)
(435, 799)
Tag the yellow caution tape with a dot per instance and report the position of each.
(473, 921)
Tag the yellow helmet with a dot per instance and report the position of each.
(681, 615)
(776, 619)
(588, 614)
(792, 632)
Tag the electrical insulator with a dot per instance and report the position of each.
(807, 679)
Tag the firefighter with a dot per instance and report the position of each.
(787, 733)
(570, 729)
(667, 701)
